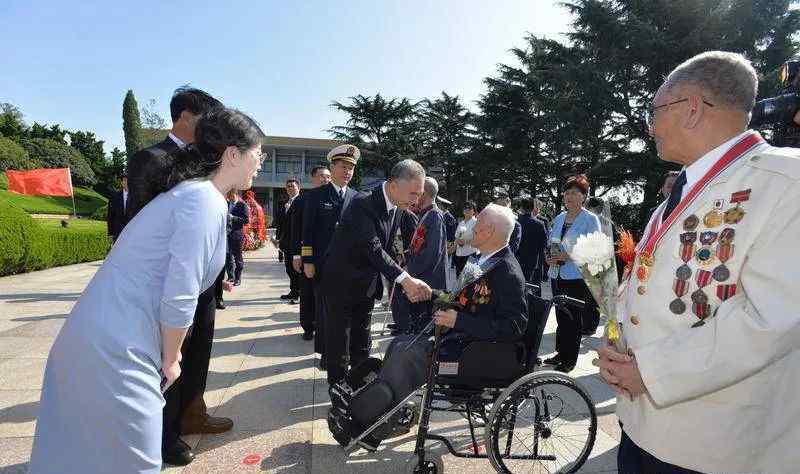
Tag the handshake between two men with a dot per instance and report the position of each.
(415, 289)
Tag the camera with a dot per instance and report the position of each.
(779, 111)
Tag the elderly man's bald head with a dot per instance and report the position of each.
(494, 227)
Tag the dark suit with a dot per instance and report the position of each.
(146, 172)
(283, 232)
(531, 248)
(115, 218)
(238, 217)
(359, 253)
(322, 208)
(516, 237)
(295, 242)
(428, 262)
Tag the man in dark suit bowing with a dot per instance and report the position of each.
(359, 253)
(322, 208)
(185, 410)
(115, 218)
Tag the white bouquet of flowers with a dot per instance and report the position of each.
(594, 255)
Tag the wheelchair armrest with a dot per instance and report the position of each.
(529, 287)
(563, 300)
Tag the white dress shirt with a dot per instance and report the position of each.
(124, 200)
(390, 206)
(486, 257)
(177, 140)
(340, 189)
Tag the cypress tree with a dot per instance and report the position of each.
(131, 124)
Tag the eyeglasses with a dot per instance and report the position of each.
(650, 110)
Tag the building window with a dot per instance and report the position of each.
(289, 163)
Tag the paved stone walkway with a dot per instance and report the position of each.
(263, 375)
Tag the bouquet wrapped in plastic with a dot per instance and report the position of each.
(595, 256)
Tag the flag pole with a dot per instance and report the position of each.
(72, 193)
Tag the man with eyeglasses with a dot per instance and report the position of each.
(709, 313)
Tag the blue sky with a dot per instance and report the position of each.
(71, 62)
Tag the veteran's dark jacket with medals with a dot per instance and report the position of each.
(493, 308)
(322, 209)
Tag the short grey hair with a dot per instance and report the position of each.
(502, 218)
(406, 170)
(431, 187)
(728, 79)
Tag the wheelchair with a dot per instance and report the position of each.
(534, 420)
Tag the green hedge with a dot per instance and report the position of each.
(101, 214)
(27, 244)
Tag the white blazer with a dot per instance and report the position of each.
(724, 394)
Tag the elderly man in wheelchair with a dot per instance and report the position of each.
(483, 354)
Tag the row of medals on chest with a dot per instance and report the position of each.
(715, 246)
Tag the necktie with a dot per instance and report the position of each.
(341, 194)
(674, 196)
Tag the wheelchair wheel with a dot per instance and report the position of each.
(542, 423)
(430, 466)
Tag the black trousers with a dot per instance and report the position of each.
(631, 459)
(320, 319)
(218, 287)
(307, 304)
(347, 332)
(237, 261)
(460, 262)
(294, 277)
(196, 352)
(568, 332)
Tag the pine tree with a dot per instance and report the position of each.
(131, 124)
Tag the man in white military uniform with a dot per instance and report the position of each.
(711, 311)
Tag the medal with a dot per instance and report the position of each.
(641, 290)
(712, 219)
(699, 297)
(688, 237)
(683, 272)
(680, 287)
(646, 259)
(677, 306)
(708, 237)
(704, 256)
(724, 253)
(725, 291)
(701, 310)
(690, 223)
(734, 215)
(642, 273)
(727, 235)
(703, 278)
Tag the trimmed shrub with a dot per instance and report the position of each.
(14, 157)
(101, 214)
(3, 181)
(52, 154)
(28, 244)
(16, 229)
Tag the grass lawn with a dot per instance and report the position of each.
(86, 201)
(76, 224)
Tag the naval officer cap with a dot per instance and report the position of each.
(348, 153)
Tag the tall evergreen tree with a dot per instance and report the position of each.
(131, 124)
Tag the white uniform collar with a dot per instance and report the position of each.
(177, 140)
(699, 168)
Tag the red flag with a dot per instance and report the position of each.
(40, 182)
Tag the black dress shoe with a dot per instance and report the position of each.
(392, 326)
(562, 367)
(292, 301)
(237, 282)
(220, 305)
(307, 336)
(552, 361)
(286, 296)
(179, 454)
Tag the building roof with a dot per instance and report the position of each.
(302, 142)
